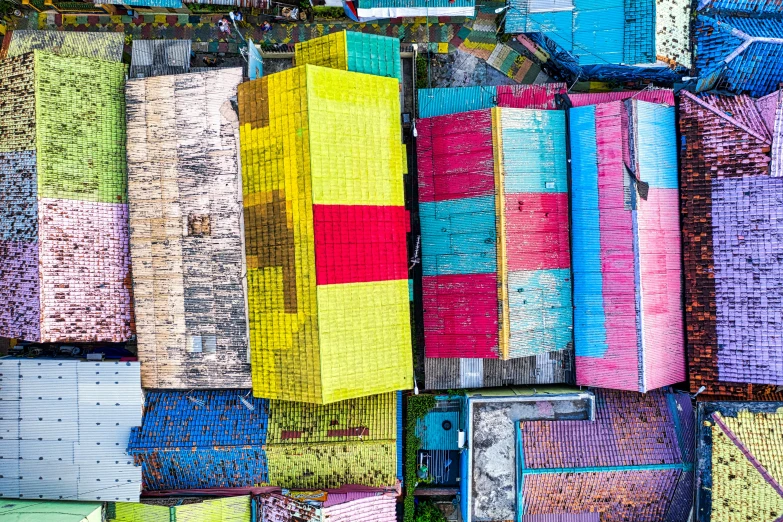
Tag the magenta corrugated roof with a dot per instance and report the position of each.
(530, 96)
(581, 517)
(665, 96)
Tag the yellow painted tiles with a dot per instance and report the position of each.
(327, 51)
(312, 135)
(355, 138)
(365, 338)
(739, 492)
(274, 137)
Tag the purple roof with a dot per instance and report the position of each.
(630, 429)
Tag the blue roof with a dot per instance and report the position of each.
(201, 439)
(451, 100)
(596, 32)
(757, 70)
(741, 6)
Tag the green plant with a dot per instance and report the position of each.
(331, 13)
(418, 407)
(428, 512)
(422, 72)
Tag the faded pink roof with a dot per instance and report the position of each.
(743, 109)
(370, 509)
(665, 96)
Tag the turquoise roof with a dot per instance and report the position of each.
(595, 32)
(374, 4)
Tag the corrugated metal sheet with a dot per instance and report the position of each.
(159, 57)
(533, 218)
(548, 368)
(450, 100)
(230, 509)
(379, 508)
(63, 134)
(103, 46)
(183, 190)
(476, 234)
(664, 96)
(422, 4)
(626, 246)
(582, 517)
(69, 424)
(171, 4)
(610, 31)
(729, 226)
(36, 511)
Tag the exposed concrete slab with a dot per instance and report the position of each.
(493, 447)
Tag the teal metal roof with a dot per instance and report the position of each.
(374, 4)
(374, 54)
(596, 32)
(451, 100)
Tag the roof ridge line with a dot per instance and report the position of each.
(725, 116)
(748, 455)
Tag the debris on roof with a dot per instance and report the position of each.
(739, 473)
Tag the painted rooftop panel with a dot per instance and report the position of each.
(103, 46)
(739, 470)
(663, 96)
(352, 51)
(66, 425)
(604, 32)
(730, 260)
(337, 276)
(403, 8)
(227, 438)
(752, 7)
(37, 510)
(739, 54)
(628, 463)
(627, 297)
(451, 100)
(182, 135)
(582, 517)
(230, 509)
(67, 170)
(171, 4)
(479, 253)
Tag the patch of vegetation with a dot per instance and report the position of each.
(422, 72)
(418, 407)
(329, 13)
(428, 512)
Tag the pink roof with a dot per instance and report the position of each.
(665, 96)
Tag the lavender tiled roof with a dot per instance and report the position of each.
(630, 429)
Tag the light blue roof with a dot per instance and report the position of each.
(595, 32)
